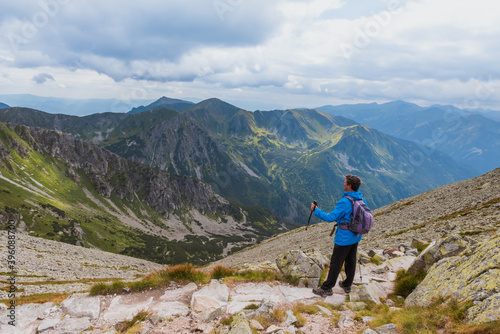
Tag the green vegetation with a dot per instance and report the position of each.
(130, 326)
(184, 273)
(440, 317)
(406, 283)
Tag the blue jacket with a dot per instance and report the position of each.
(342, 213)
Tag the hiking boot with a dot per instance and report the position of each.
(347, 289)
(322, 292)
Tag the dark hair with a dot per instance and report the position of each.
(353, 181)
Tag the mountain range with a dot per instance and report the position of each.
(467, 137)
(280, 159)
(71, 106)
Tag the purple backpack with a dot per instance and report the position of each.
(362, 217)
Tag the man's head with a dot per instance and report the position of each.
(352, 183)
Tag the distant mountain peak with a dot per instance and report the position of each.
(163, 102)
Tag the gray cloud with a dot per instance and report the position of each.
(41, 78)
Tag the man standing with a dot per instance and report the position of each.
(345, 242)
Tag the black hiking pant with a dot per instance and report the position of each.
(342, 255)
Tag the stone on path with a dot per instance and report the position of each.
(73, 325)
(290, 317)
(207, 303)
(364, 293)
(256, 292)
(369, 331)
(121, 309)
(255, 324)
(387, 329)
(240, 325)
(176, 294)
(47, 324)
(335, 299)
(169, 309)
(292, 294)
(81, 305)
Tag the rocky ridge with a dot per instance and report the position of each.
(470, 207)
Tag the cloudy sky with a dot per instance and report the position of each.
(257, 54)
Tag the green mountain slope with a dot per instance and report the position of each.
(468, 138)
(72, 191)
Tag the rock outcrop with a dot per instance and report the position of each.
(437, 250)
(307, 266)
(473, 275)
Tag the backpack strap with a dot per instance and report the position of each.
(344, 223)
(352, 205)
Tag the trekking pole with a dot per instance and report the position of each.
(308, 221)
(360, 277)
(310, 215)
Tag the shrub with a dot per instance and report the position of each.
(220, 271)
(99, 289)
(405, 283)
(124, 326)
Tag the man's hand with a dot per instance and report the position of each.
(313, 206)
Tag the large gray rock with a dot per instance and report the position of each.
(169, 309)
(364, 293)
(290, 318)
(73, 325)
(387, 329)
(240, 325)
(292, 294)
(474, 276)
(437, 250)
(24, 315)
(121, 308)
(81, 305)
(48, 324)
(207, 303)
(308, 267)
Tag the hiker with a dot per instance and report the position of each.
(345, 242)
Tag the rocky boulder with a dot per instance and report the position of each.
(306, 266)
(474, 276)
(82, 305)
(240, 325)
(207, 303)
(437, 250)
